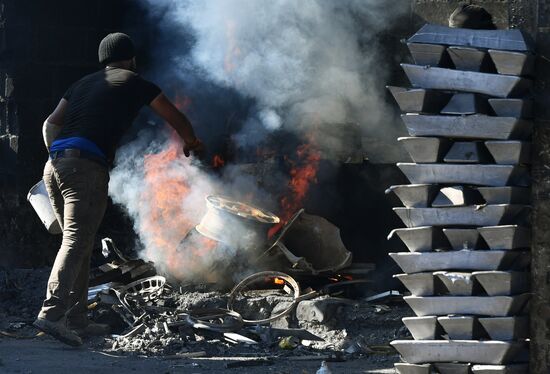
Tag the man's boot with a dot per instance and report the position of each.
(90, 329)
(58, 330)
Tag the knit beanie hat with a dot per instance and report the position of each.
(471, 17)
(116, 47)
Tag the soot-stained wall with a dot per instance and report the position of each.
(44, 47)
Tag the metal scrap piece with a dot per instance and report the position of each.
(242, 285)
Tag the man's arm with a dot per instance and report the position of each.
(53, 124)
(165, 109)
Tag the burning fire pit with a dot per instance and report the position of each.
(236, 224)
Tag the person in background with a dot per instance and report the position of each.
(471, 17)
(81, 135)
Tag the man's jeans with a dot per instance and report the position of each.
(78, 193)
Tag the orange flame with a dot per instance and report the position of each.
(278, 281)
(303, 172)
(166, 220)
(218, 161)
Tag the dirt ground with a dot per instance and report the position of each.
(21, 293)
(45, 355)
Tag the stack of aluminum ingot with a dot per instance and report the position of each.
(468, 116)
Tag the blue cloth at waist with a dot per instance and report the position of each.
(79, 143)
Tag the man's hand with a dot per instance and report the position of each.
(165, 109)
(197, 147)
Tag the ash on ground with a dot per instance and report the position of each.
(328, 327)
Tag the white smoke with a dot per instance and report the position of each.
(133, 184)
(304, 62)
(164, 193)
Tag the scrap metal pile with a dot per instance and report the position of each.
(468, 116)
(266, 314)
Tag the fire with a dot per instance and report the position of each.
(303, 173)
(278, 281)
(166, 221)
(218, 162)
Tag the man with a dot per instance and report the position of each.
(471, 17)
(82, 134)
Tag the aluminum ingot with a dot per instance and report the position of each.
(513, 63)
(423, 328)
(464, 238)
(468, 127)
(511, 40)
(503, 283)
(469, 59)
(415, 195)
(518, 108)
(462, 260)
(458, 283)
(482, 175)
(496, 85)
(510, 152)
(418, 284)
(461, 327)
(421, 239)
(488, 215)
(506, 237)
(494, 306)
(405, 368)
(506, 328)
(418, 100)
(505, 195)
(467, 103)
(456, 196)
(466, 351)
(452, 368)
(425, 150)
(501, 369)
(468, 153)
(427, 54)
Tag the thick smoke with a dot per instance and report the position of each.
(309, 67)
(305, 63)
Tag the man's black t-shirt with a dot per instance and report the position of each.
(103, 105)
